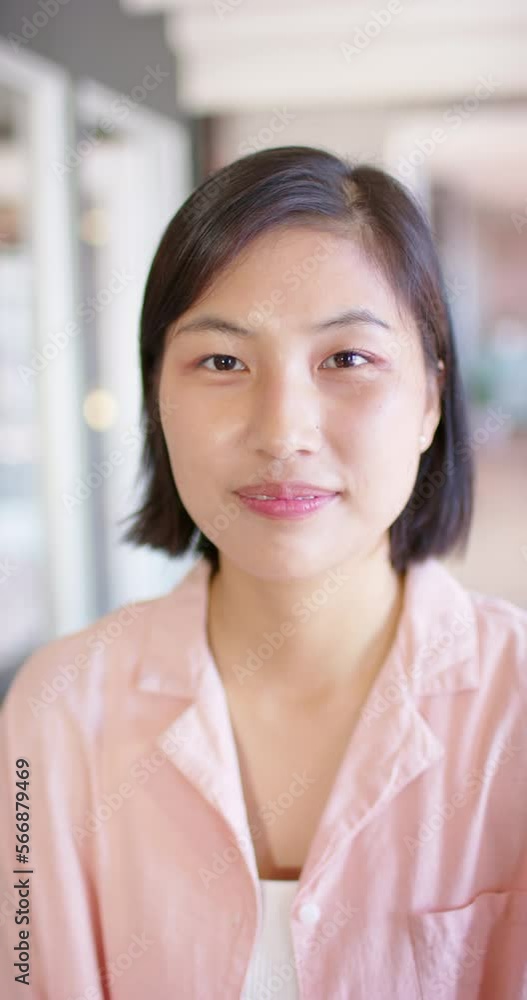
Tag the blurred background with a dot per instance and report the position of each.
(110, 113)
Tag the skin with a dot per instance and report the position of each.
(286, 411)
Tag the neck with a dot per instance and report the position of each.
(304, 640)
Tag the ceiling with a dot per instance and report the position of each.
(238, 59)
(235, 55)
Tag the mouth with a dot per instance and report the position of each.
(285, 491)
(289, 508)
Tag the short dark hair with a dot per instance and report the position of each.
(310, 187)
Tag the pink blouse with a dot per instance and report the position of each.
(127, 868)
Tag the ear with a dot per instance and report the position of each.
(432, 412)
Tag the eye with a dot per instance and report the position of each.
(213, 357)
(344, 355)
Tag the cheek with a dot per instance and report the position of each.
(196, 462)
(378, 444)
(185, 453)
(381, 417)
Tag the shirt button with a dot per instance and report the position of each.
(309, 913)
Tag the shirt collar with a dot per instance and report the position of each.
(434, 651)
(435, 648)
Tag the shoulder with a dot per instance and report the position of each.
(498, 617)
(490, 636)
(68, 674)
(499, 625)
(502, 637)
(461, 637)
(79, 678)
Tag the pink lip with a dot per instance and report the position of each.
(285, 490)
(287, 509)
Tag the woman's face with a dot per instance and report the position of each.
(279, 405)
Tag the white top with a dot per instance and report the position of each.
(272, 969)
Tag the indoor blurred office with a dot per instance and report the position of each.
(110, 113)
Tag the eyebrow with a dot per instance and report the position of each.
(348, 318)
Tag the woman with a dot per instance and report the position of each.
(302, 771)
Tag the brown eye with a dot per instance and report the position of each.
(343, 357)
(224, 358)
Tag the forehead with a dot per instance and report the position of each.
(304, 273)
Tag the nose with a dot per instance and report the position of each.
(286, 417)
